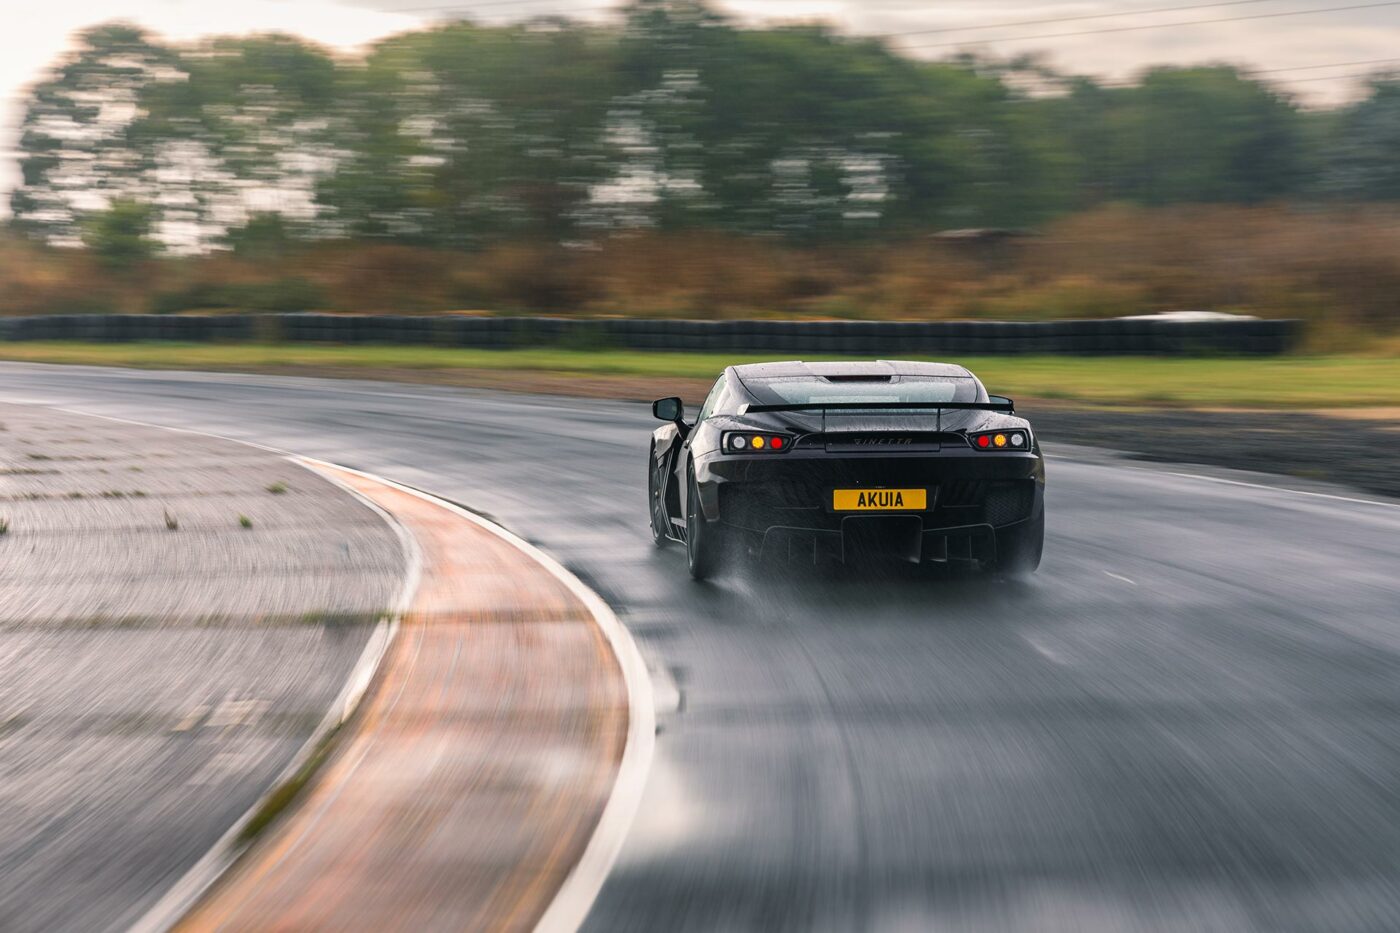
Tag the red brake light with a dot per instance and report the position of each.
(1009, 439)
(742, 442)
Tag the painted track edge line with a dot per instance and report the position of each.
(197, 880)
(1285, 489)
(575, 897)
(572, 902)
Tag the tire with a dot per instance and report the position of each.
(705, 541)
(1019, 547)
(656, 500)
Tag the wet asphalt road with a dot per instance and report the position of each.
(1186, 721)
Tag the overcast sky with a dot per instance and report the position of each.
(1313, 47)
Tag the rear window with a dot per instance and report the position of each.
(809, 390)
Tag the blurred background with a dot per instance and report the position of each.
(668, 158)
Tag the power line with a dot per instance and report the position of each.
(1358, 74)
(1067, 19)
(1245, 69)
(1372, 61)
(1345, 77)
(1254, 72)
(1189, 22)
(470, 7)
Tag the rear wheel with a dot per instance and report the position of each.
(705, 541)
(1019, 547)
(656, 496)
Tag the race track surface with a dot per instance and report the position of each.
(1187, 720)
(154, 680)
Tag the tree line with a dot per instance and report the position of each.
(671, 119)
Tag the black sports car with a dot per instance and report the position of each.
(816, 461)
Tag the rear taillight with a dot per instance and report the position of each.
(753, 442)
(1012, 439)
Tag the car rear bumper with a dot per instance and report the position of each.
(786, 500)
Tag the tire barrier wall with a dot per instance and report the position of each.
(1116, 337)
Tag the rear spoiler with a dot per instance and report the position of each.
(1005, 405)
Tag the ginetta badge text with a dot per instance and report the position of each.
(881, 441)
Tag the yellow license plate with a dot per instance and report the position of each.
(879, 500)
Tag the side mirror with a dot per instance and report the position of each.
(668, 409)
(1003, 400)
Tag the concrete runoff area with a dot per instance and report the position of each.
(177, 614)
(473, 776)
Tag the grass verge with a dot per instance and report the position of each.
(1340, 381)
(285, 794)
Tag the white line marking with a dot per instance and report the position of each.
(1296, 492)
(192, 719)
(1120, 577)
(665, 691)
(165, 427)
(181, 896)
(1047, 653)
(235, 713)
(576, 895)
